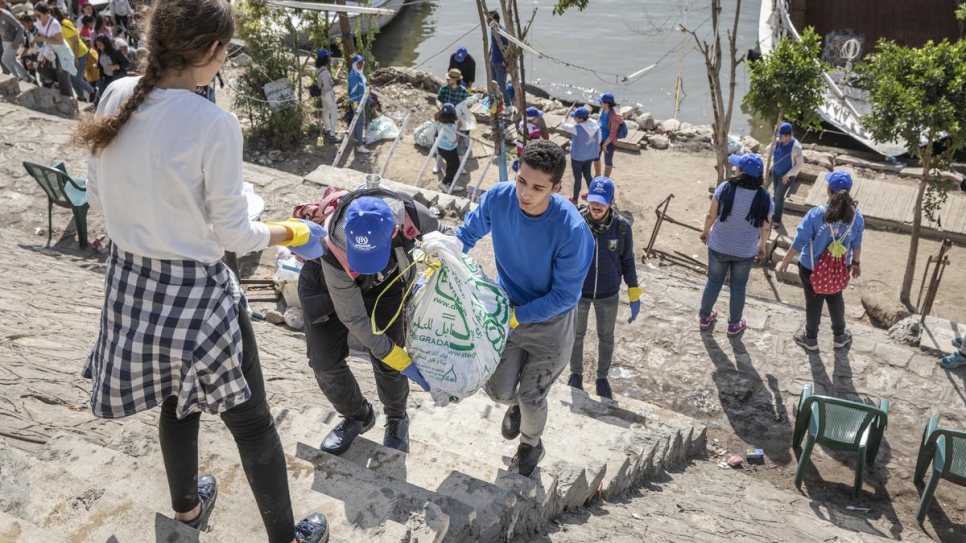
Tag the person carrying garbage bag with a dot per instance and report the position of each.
(358, 286)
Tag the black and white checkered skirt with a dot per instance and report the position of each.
(168, 328)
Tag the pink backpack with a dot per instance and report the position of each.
(830, 275)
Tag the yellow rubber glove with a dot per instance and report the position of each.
(634, 293)
(300, 231)
(399, 360)
(513, 318)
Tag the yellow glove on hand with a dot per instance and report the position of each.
(634, 293)
(513, 318)
(398, 359)
(300, 232)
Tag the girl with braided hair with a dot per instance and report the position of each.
(166, 172)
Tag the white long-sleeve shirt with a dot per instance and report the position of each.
(170, 184)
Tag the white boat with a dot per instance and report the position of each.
(335, 31)
(906, 22)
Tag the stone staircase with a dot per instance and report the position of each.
(451, 487)
(37, 98)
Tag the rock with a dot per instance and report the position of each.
(9, 87)
(751, 144)
(686, 126)
(704, 134)
(684, 133)
(671, 125)
(415, 78)
(881, 304)
(819, 158)
(274, 316)
(646, 121)
(275, 155)
(907, 331)
(263, 161)
(658, 142)
(631, 125)
(629, 113)
(294, 318)
(48, 101)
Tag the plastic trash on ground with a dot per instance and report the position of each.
(287, 276)
(381, 128)
(467, 119)
(425, 134)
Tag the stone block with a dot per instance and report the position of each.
(646, 121)
(819, 158)
(811, 173)
(658, 142)
(9, 87)
(671, 125)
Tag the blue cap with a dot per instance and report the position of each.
(460, 54)
(448, 109)
(510, 91)
(601, 191)
(606, 98)
(358, 58)
(534, 112)
(785, 128)
(322, 53)
(751, 164)
(580, 113)
(839, 180)
(369, 226)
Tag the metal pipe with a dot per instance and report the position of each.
(657, 225)
(429, 157)
(476, 189)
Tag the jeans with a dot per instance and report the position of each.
(581, 168)
(10, 60)
(252, 426)
(82, 88)
(452, 158)
(499, 75)
(360, 127)
(605, 311)
(327, 344)
(813, 306)
(719, 265)
(536, 354)
(780, 190)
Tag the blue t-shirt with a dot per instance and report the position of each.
(541, 261)
(736, 236)
(814, 229)
(604, 128)
(496, 56)
(448, 138)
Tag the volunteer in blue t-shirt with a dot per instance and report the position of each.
(787, 160)
(841, 219)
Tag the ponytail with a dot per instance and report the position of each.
(841, 208)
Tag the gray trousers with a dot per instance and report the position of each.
(605, 310)
(535, 355)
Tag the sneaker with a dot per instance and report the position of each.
(511, 423)
(332, 138)
(526, 459)
(809, 343)
(576, 380)
(312, 529)
(584, 196)
(458, 188)
(443, 187)
(571, 200)
(93, 97)
(603, 389)
(362, 149)
(207, 493)
(952, 361)
(843, 340)
(344, 433)
(957, 342)
(735, 329)
(705, 322)
(436, 168)
(463, 171)
(397, 433)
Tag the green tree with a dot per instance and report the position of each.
(918, 96)
(786, 84)
(563, 5)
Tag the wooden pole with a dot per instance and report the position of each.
(348, 40)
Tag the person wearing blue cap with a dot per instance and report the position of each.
(787, 161)
(330, 108)
(447, 146)
(497, 66)
(543, 248)
(364, 257)
(735, 231)
(584, 145)
(837, 225)
(532, 121)
(610, 122)
(613, 260)
(357, 89)
(463, 61)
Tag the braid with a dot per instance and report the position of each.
(97, 133)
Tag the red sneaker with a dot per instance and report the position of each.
(572, 201)
(584, 196)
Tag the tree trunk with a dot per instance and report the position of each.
(481, 8)
(905, 294)
(348, 41)
(771, 146)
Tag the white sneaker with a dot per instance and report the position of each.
(362, 149)
(442, 187)
(436, 168)
(464, 172)
(458, 188)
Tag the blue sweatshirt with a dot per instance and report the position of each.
(357, 88)
(496, 56)
(814, 229)
(613, 259)
(541, 261)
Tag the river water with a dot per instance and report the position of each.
(609, 40)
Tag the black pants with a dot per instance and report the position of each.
(60, 76)
(253, 428)
(813, 306)
(328, 346)
(452, 159)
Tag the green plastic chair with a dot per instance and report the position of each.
(946, 449)
(841, 425)
(64, 191)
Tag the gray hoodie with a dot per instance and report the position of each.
(11, 31)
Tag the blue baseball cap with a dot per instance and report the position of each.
(358, 58)
(534, 112)
(601, 191)
(751, 164)
(839, 180)
(322, 53)
(448, 109)
(460, 54)
(580, 113)
(369, 226)
(606, 98)
(785, 128)
(510, 91)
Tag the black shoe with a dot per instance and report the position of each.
(397, 433)
(511, 423)
(603, 389)
(332, 138)
(526, 459)
(312, 529)
(576, 380)
(344, 433)
(207, 492)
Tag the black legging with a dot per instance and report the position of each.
(452, 159)
(253, 428)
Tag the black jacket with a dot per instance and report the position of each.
(467, 68)
(613, 256)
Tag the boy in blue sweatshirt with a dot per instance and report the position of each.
(543, 248)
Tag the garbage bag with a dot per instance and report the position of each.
(457, 322)
(381, 128)
(467, 119)
(425, 134)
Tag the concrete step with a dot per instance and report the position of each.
(236, 516)
(52, 499)
(18, 530)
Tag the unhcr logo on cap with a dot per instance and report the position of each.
(369, 227)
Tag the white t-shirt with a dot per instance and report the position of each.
(121, 7)
(49, 30)
(170, 184)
